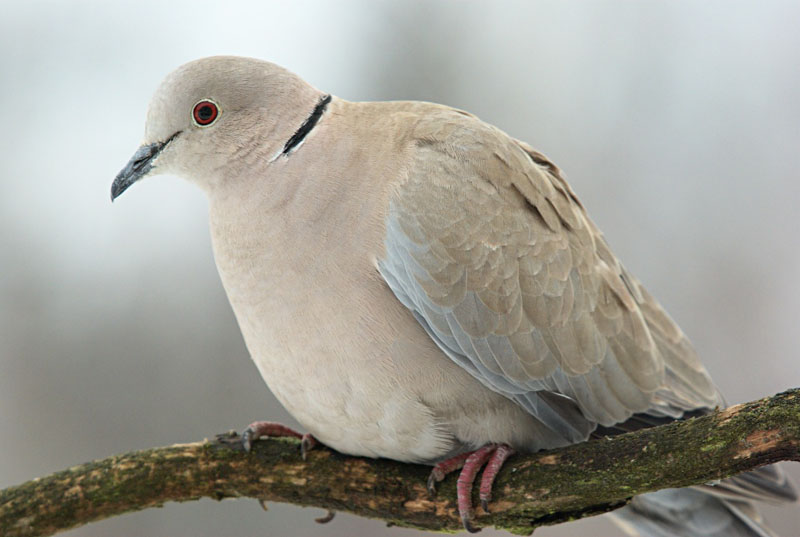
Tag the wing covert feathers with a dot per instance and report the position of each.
(488, 244)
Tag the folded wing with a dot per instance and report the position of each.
(492, 251)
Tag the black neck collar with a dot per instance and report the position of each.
(307, 125)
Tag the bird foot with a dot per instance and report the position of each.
(259, 429)
(492, 456)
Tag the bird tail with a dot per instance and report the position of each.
(723, 509)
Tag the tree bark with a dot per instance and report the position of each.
(546, 488)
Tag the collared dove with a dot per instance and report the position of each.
(413, 283)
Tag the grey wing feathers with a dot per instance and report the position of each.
(489, 247)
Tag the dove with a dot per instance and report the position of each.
(414, 284)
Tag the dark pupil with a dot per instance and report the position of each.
(205, 113)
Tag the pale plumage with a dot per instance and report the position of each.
(412, 283)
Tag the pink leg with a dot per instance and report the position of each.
(471, 463)
(466, 478)
(257, 429)
(496, 462)
(443, 468)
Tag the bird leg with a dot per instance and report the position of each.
(466, 478)
(470, 464)
(496, 462)
(258, 429)
(441, 469)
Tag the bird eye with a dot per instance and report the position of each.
(205, 113)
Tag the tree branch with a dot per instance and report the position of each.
(545, 488)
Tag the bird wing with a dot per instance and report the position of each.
(490, 248)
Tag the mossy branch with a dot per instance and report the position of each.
(546, 488)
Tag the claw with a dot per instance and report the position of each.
(467, 523)
(247, 439)
(308, 443)
(327, 518)
(232, 439)
(434, 477)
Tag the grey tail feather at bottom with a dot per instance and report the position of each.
(722, 510)
(651, 515)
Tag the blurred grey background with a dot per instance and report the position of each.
(678, 124)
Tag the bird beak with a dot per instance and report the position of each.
(140, 165)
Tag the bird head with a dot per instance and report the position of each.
(213, 119)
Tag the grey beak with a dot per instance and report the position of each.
(140, 165)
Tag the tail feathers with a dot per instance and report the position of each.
(689, 513)
(765, 484)
(719, 510)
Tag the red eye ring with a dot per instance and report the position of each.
(205, 113)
